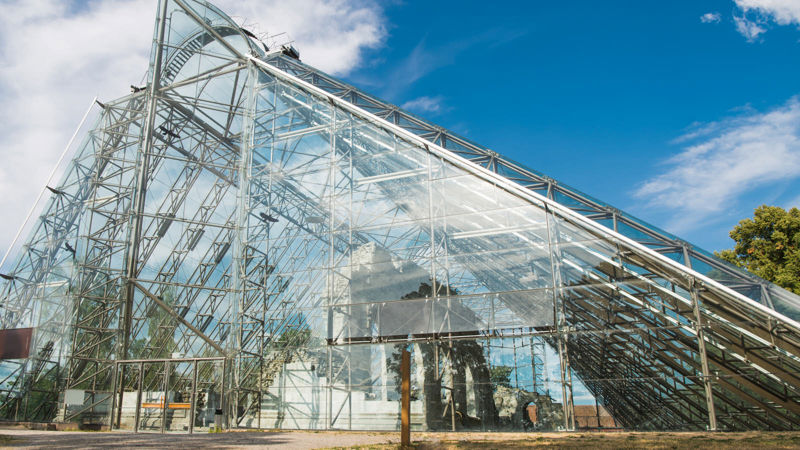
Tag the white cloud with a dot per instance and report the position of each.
(783, 12)
(330, 34)
(732, 158)
(748, 28)
(756, 14)
(52, 63)
(55, 56)
(710, 17)
(424, 104)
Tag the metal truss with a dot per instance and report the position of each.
(246, 216)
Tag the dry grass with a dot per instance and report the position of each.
(715, 441)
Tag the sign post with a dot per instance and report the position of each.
(405, 401)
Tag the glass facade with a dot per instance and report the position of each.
(238, 246)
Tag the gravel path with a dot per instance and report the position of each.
(23, 438)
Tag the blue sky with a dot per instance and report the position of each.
(599, 95)
(682, 113)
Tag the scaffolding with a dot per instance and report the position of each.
(249, 242)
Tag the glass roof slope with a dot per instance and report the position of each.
(662, 241)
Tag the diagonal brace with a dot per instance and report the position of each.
(177, 317)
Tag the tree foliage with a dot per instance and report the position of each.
(768, 245)
(501, 375)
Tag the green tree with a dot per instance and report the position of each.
(501, 375)
(768, 245)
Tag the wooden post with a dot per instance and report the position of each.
(405, 402)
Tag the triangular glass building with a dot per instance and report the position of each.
(249, 242)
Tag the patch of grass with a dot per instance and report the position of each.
(605, 441)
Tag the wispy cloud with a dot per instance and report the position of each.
(749, 28)
(724, 161)
(424, 59)
(793, 203)
(56, 55)
(710, 17)
(758, 14)
(425, 104)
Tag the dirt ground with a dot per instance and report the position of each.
(24, 438)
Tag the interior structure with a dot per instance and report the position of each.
(248, 242)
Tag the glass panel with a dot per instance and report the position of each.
(151, 406)
(179, 396)
(208, 400)
(496, 384)
(248, 397)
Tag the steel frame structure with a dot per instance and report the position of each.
(247, 208)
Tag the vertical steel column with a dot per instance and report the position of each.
(331, 258)
(452, 379)
(193, 405)
(566, 382)
(431, 237)
(282, 405)
(562, 335)
(330, 381)
(701, 346)
(164, 400)
(137, 206)
(516, 363)
(223, 397)
(331, 261)
(597, 411)
(350, 384)
(260, 378)
(112, 411)
(533, 363)
(240, 241)
(139, 398)
(274, 111)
